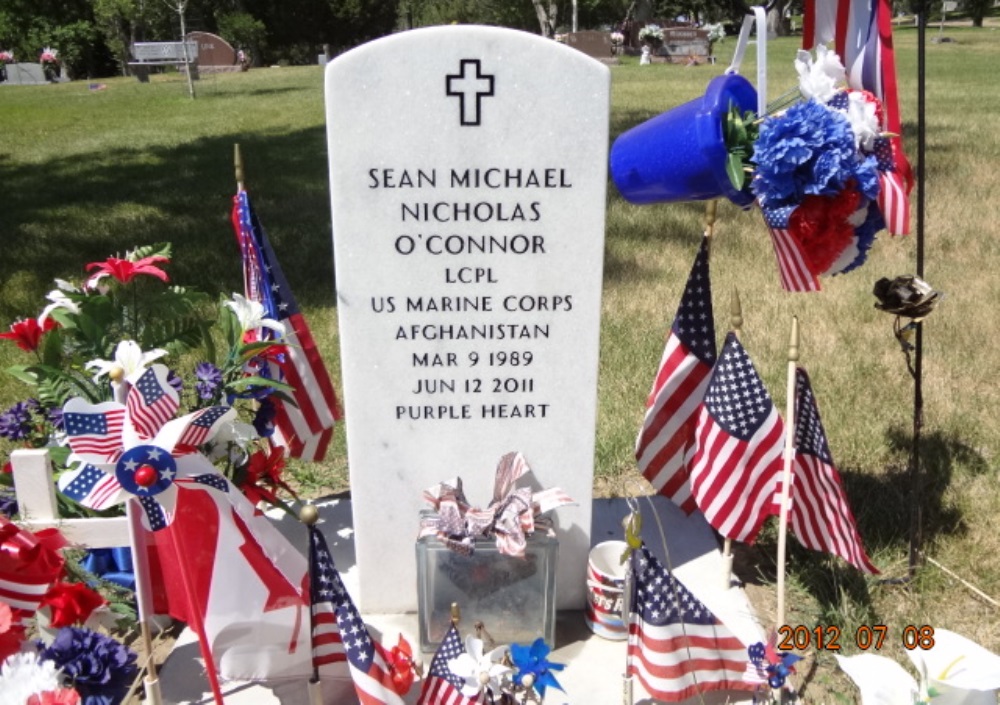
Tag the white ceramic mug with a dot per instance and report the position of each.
(605, 590)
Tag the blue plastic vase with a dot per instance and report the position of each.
(680, 155)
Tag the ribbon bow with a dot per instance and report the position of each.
(513, 513)
(29, 563)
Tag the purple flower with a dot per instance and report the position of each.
(100, 668)
(15, 423)
(209, 378)
(809, 150)
(55, 417)
(175, 381)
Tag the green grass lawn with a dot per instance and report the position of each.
(89, 173)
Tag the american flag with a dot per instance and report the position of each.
(861, 31)
(93, 429)
(305, 429)
(93, 488)
(677, 647)
(793, 267)
(892, 196)
(152, 402)
(201, 425)
(737, 457)
(340, 634)
(820, 515)
(672, 406)
(441, 686)
(27, 569)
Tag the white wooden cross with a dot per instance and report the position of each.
(36, 502)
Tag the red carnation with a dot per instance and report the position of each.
(27, 333)
(820, 225)
(71, 603)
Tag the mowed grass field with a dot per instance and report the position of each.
(87, 173)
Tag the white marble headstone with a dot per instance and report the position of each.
(468, 170)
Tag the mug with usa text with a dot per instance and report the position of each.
(606, 590)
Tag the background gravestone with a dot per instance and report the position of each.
(683, 44)
(215, 54)
(596, 45)
(468, 171)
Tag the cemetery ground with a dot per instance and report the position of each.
(89, 173)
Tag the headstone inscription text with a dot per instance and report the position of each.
(468, 190)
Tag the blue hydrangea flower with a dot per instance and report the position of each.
(8, 503)
(209, 379)
(809, 150)
(100, 668)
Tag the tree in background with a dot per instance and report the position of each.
(977, 9)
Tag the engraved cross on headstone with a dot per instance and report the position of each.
(470, 89)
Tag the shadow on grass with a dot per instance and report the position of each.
(882, 508)
(115, 200)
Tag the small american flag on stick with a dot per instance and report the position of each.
(306, 428)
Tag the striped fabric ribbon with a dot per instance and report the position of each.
(514, 512)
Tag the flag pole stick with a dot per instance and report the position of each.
(308, 515)
(786, 478)
(238, 166)
(144, 608)
(736, 323)
(194, 615)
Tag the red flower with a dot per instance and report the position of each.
(399, 659)
(125, 270)
(820, 225)
(71, 603)
(11, 634)
(27, 333)
(59, 696)
(265, 468)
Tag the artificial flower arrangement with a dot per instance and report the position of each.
(6, 57)
(617, 39)
(49, 59)
(122, 318)
(716, 33)
(651, 34)
(814, 167)
(74, 660)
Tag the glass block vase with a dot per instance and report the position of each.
(513, 597)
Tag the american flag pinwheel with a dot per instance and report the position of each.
(138, 448)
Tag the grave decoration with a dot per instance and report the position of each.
(479, 671)
(74, 663)
(106, 414)
(49, 59)
(125, 316)
(952, 668)
(498, 561)
(822, 169)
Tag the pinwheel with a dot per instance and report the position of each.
(766, 659)
(139, 449)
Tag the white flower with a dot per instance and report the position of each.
(129, 359)
(820, 79)
(478, 669)
(861, 114)
(59, 300)
(251, 315)
(23, 675)
(954, 671)
(232, 439)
